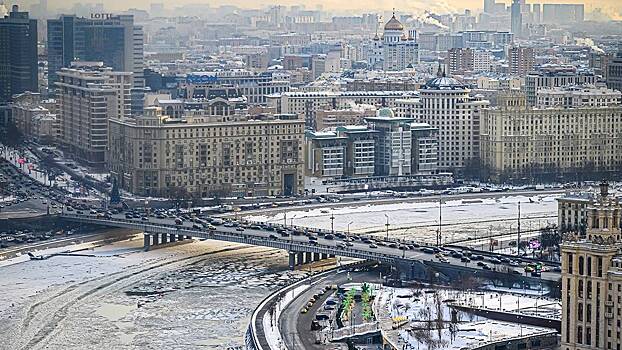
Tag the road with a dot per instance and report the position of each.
(356, 248)
(295, 327)
(347, 202)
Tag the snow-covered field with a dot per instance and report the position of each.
(428, 322)
(124, 298)
(461, 219)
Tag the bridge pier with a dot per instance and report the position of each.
(292, 260)
(300, 258)
(180, 237)
(188, 237)
(156, 239)
(308, 257)
(163, 238)
(316, 257)
(172, 238)
(146, 241)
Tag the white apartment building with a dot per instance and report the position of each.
(89, 95)
(481, 61)
(577, 96)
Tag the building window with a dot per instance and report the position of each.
(570, 263)
(581, 263)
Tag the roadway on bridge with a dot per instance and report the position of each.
(357, 247)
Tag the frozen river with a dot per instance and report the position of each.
(190, 296)
(419, 220)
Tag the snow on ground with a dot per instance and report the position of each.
(124, 298)
(423, 312)
(419, 220)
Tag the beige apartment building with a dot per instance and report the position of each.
(521, 142)
(35, 117)
(446, 104)
(204, 156)
(341, 117)
(592, 279)
(89, 95)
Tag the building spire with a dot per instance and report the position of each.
(439, 72)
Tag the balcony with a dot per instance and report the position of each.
(609, 303)
(608, 315)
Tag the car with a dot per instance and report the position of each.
(481, 263)
(486, 267)
(272, 236)
(373, 246)
(239, 229)
(211, 227)
(427, 250)
(179, 221)
(144, 218)
(329, 236)
(340, 245)
(349, 244)
(516, 272)
(557, 269)
(465, 259)
(514, 263)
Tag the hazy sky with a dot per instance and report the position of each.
(608, 6)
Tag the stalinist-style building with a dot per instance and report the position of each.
(592, 279)
(394, 51)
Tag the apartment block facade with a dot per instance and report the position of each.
(89, 95)
(203, 156)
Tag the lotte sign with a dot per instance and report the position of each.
(101, 15)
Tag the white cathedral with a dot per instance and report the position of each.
(394, 51)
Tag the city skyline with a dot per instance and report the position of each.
(611, 8)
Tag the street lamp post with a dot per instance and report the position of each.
(349, 223)
(387, 225)
(332, 222)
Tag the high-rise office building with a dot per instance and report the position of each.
(563, 13)
(516, 18)
(113, 40)
(18, 54)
